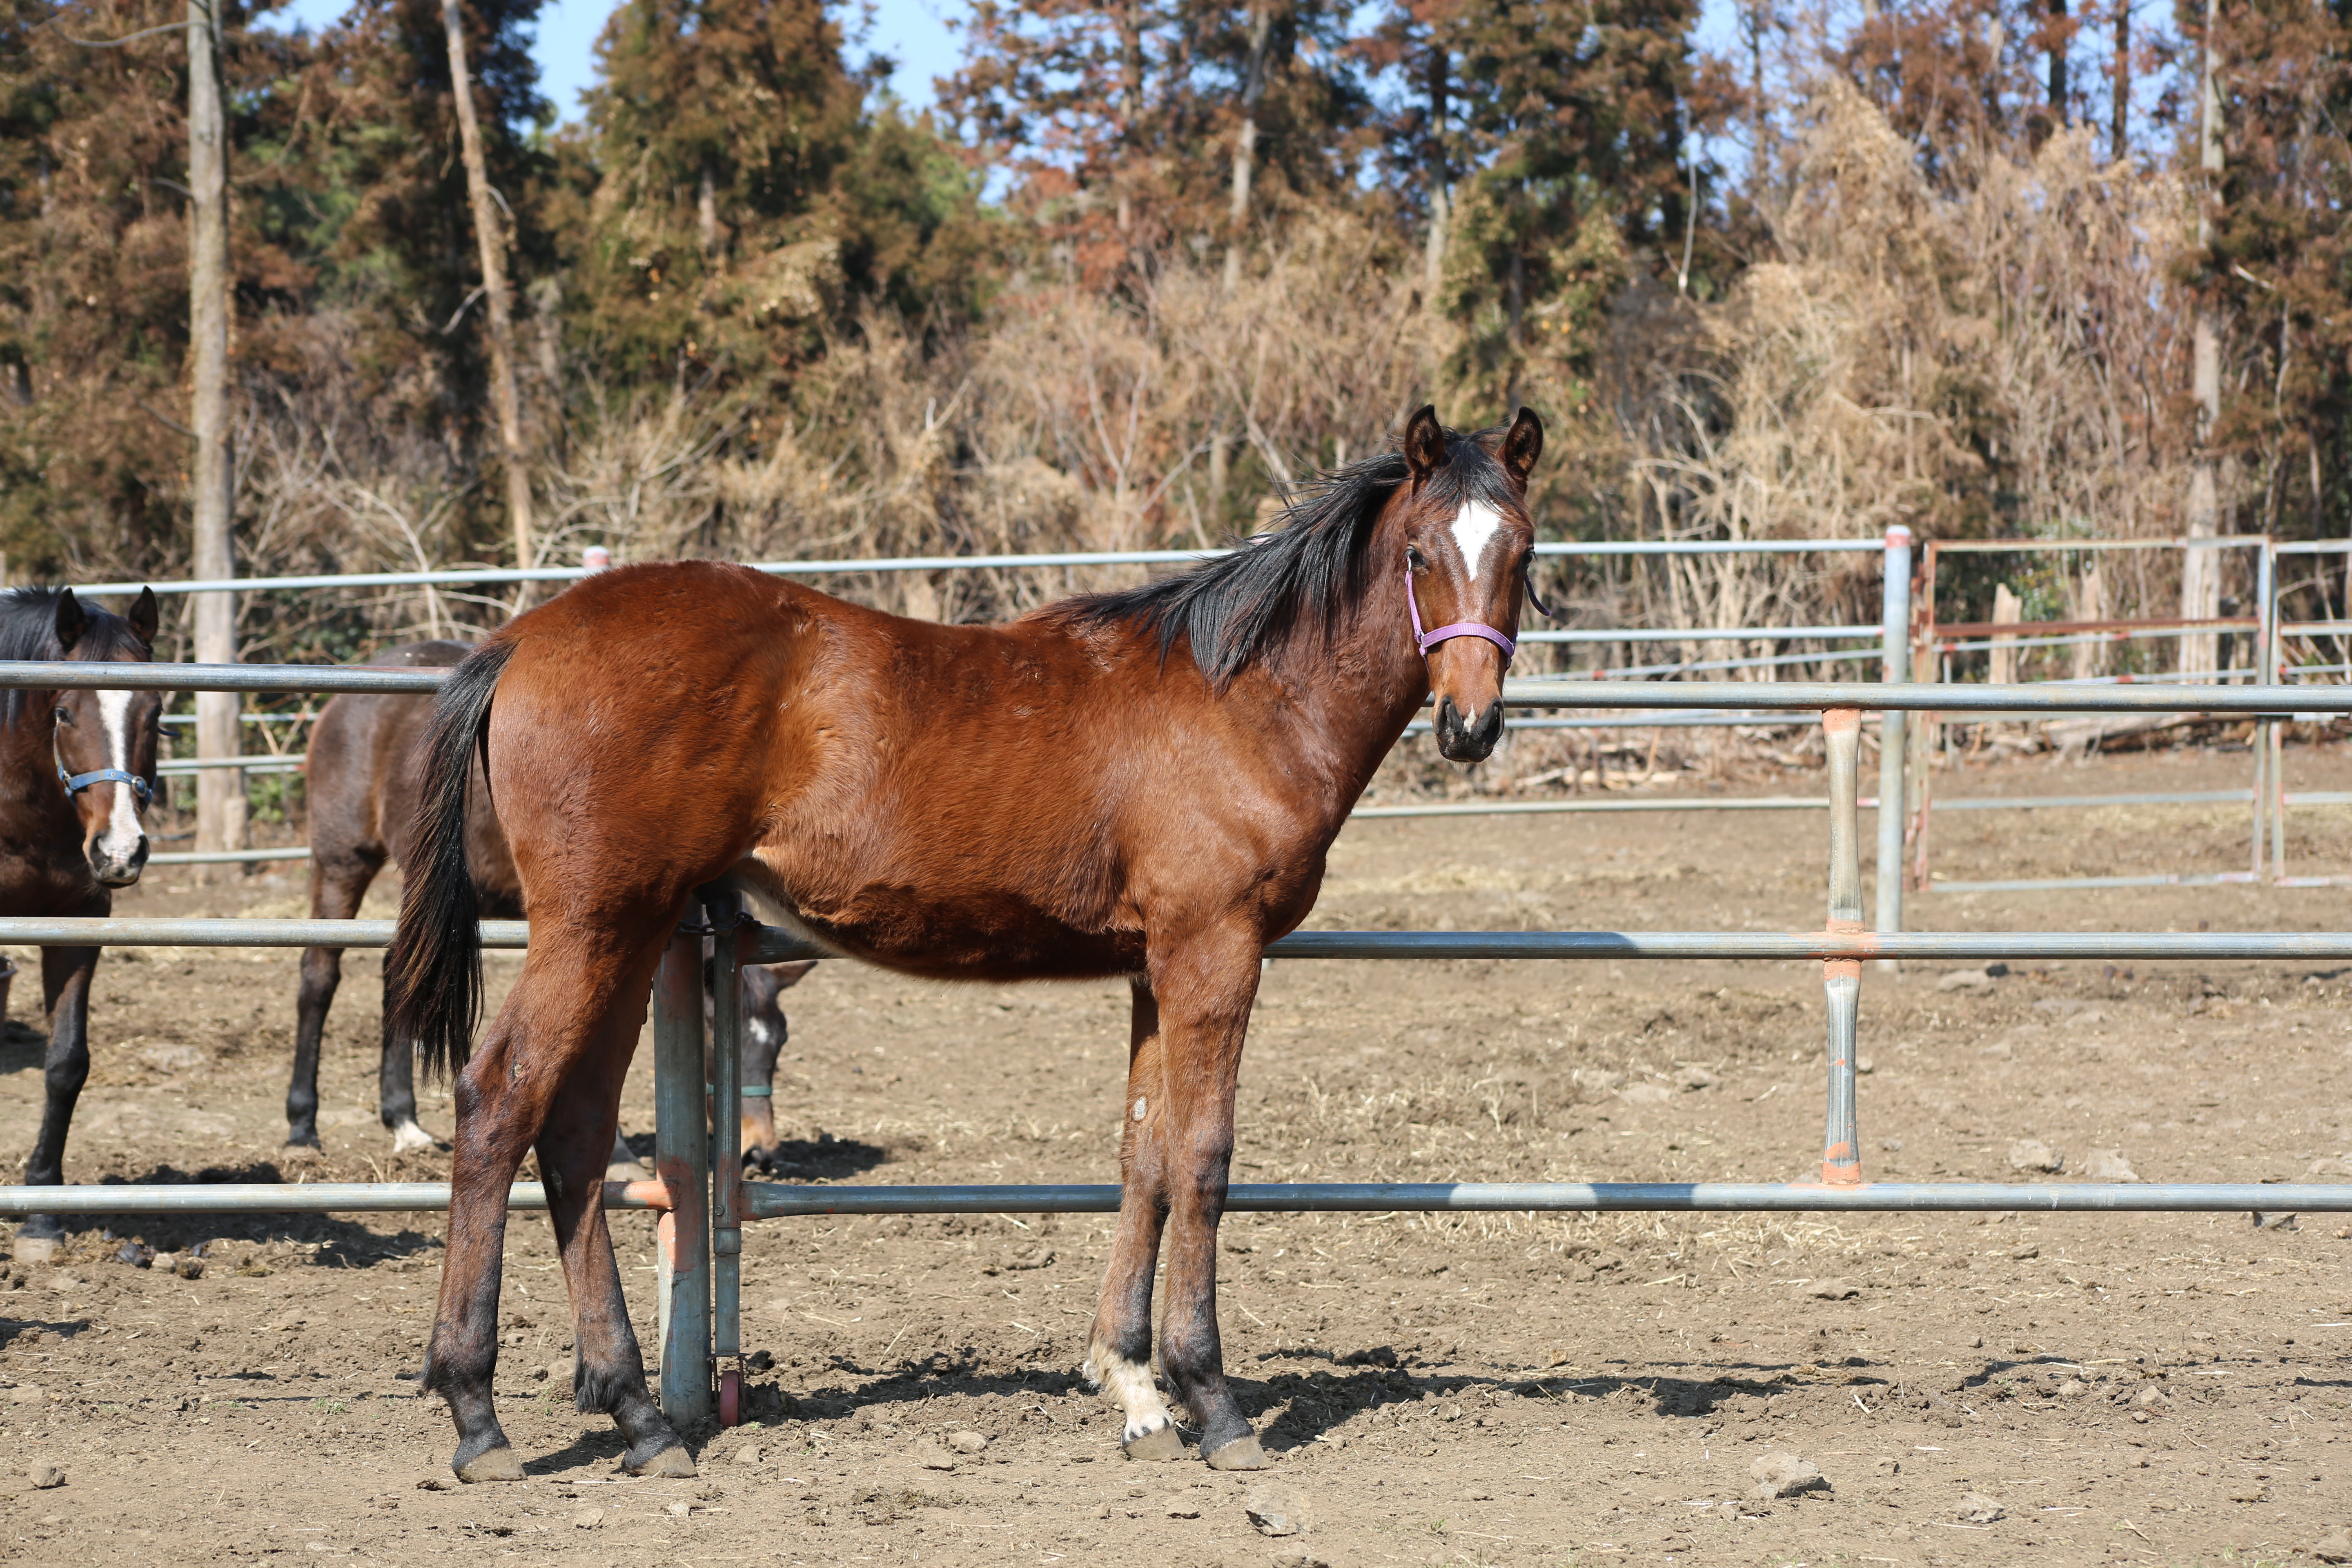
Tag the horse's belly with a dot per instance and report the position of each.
(979, 933)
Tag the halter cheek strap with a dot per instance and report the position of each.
(1428, 640)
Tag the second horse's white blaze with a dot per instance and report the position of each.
(1473, 525)
(120, 838)
(1130, 1384)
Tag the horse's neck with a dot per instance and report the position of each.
(1356, 693)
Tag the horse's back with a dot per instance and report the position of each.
(949, 799)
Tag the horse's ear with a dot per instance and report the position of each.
(143, 617)
(1523, 445)
(1424, 443)
(70, 623)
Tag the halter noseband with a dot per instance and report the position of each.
(1427, 640)
(76, 782)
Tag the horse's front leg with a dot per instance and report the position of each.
(65, 974)
(1118, 1357)
(1205, 988)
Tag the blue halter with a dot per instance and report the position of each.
(76, 782)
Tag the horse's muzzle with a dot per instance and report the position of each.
(117, 870)
(1461, 741)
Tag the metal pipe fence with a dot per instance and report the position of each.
(704, 1201)
(1893, 653)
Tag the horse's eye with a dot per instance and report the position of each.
(1413, 559)
(63, 717)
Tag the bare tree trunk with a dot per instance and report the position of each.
(2059, 39)
(489, 236)
(2200, 569)
(2118, 141)
(1129, 19)
(1245, 144)
(1440, 193)
(705, 211)
(220, 791)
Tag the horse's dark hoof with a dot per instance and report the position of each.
(1161, 1443)
(303, 1138)
(497, 1464)
(1240, 1454)
(670, 1464)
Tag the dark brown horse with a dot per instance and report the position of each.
(365, 773)
(1141, 784)
(77, 771)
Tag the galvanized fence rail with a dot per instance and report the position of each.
(704, 1203)
(1895, 637)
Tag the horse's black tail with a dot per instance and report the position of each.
(433, 975)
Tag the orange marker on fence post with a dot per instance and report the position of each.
(1842, 977)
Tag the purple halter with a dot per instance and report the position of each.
(1428, 640)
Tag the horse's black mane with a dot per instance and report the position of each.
(1291, 581)
(28, 630)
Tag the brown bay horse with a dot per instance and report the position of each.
(1141, 784)
(365, 772)
(77, 774)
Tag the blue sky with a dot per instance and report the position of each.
(919, 35)
(915, 33)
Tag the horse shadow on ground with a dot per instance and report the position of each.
(337, 1242)
(23, 1049)
(1290, 1409)
(824, 1158)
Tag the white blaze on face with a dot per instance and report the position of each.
(1474, 526)
(120, 837)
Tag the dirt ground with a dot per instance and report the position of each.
(1441, 1390)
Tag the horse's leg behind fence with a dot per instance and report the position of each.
(65, 988)
(1118, 1357)
(566, 1009)
(339, 876)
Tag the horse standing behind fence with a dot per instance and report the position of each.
(77, 771)
(365, 773)
(1141, 784)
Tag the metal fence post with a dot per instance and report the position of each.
(1895, 666)
(730, 932)
(2270, 667)
(682, 1162)
(1842, 977)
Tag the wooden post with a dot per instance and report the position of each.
(489, 239)
(2200, 569)
(220, 791)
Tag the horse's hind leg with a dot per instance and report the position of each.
(395, 1095)
(560, 1012)
(573, 1148)
(339, 880)
(1118, 1357)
